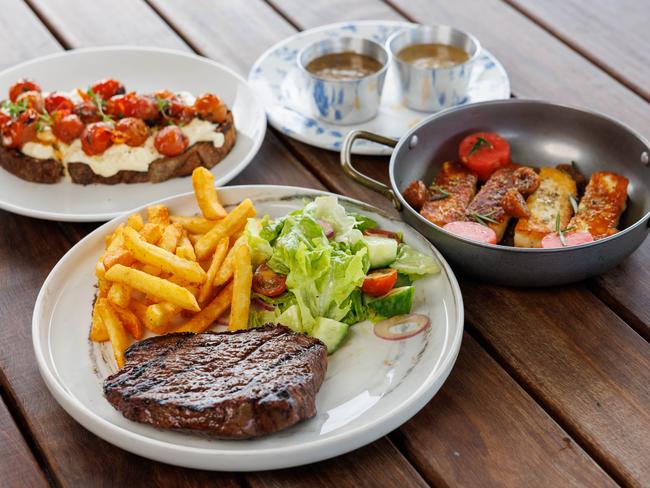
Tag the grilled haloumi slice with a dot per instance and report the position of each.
(549, 200)
(601, 206)
(459, 184)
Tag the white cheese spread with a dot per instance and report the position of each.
(38, 150)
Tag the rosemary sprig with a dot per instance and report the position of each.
(480, 142)
(559, 231)
(483, 218)
(440, 193)
(574, 203)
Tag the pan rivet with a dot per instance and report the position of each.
(414, 142)
(644, 158)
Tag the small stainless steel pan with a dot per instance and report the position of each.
(540, 134)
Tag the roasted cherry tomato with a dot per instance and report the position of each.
(4, 119)
(171, 107)
(96, 138)
(21, 130)
(21, 86)
(484, 153)
(382, 233)
(108, 88)
(31, 99)
(133, 105)
(55, 101)
(130, 131)
(87, 112)
(267, 282)
(66, 125)
(210, 107)
(170, 141)
(379, 282)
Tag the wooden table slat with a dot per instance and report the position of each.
(613, 35)
(17, 463)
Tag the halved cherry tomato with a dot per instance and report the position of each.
(21, 86)
(210, 107)
(96, 138)
(21, 130)
(32, 99)
(170, 141)
(133, 105)
(131, 131)
(484, 153)
(172, 107)
(55, 101)
(67, 126)
(87, 112)
(382, 233)
(379, 282)
(108, 88)
(267, 282)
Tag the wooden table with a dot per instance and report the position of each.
(551, 388)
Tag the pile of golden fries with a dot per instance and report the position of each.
(174, 273)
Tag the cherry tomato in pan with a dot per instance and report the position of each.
(67, 126)
(267, 282)
(210, 107)
(379, 282)
(31, 99)
(170, 141)
(87, 112)
(108, 88)
(130, 131)
(55, 101)
(21, 86)
(382, 233)
(571, 238)
(96, 138)
(473, 231)
(484, 153)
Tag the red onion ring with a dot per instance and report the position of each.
(412, 324)
(327, 228)
(262, 304)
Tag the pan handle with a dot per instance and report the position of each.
(346, 162)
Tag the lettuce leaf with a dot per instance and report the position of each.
(413, 263)
(331, 211)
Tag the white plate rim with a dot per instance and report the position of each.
(304, 453)
(370, 150)
(105, 216)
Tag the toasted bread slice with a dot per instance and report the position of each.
(549, 200)
(29, 168)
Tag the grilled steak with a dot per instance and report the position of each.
(233, 385)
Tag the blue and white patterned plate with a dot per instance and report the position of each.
(276, 79)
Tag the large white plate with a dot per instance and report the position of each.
(277, 80)
(372, 385)
(142, 70)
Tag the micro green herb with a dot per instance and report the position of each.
(44, 119)
(440, 193)
(99, 103)
(483, 218)
(15, 109)
(480, 142)
(574, 203)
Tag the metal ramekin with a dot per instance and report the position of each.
(432, 89)
(344, 101)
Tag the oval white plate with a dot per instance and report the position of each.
(143, 70)
(276, 79)
(372, 385)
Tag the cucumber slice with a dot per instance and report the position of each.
(331, 332)
(398, 301)
(382, 251)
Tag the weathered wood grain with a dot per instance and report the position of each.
(613, 35)
(17, 463)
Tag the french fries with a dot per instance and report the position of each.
(205, 293)
(206, 317)
(172, 272)
(241, 290)
(153, 285)
(206, 194)
(194, 225)
(115, 330)
(230, 224)
(161, 258)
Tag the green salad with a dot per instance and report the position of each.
(321, 269)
